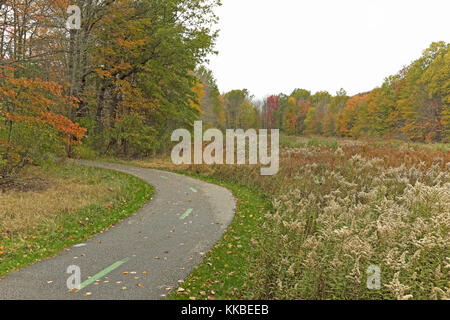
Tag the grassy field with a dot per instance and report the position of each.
(45, 210)
(338, 207)
(335, 208)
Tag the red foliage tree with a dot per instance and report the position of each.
(273, 105)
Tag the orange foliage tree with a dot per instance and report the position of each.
(31, 121)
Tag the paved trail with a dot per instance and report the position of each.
(160, 244)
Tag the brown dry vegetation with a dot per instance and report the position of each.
(38, 196)
(342, 207)
(46, 209)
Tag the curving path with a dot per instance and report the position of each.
(142, 257)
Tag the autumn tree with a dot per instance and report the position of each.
(295, 114)
(238, 106)
(32, 106)
(424, 99)
(212, 102)
(141, 83)
(33, 127)
(349, 122)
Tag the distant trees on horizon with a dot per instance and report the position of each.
(412, 105)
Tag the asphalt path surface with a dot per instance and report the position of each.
(143, 257)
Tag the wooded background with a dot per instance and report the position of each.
(134, 72)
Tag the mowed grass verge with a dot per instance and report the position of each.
(68, 205)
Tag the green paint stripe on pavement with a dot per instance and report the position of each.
(103, 273)
(164, 177)
(186, 214)
(193, 190)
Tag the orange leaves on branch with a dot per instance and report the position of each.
(65, 126)
(103, 73)
(37, 102)
(131, 44)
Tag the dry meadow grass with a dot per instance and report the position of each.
(42, 195)
(342, 206)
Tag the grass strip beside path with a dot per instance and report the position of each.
(51, 236)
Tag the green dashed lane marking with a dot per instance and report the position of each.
(103, 273)
(193, 190)
(186, 214)
(164, 177)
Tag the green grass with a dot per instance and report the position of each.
(323, 142)
(68, 229)
(287, 142)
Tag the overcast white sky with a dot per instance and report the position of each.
(273, 46)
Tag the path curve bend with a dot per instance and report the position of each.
(141, 257)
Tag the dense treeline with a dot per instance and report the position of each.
(132, 73)
(232, 110)
(121, 83)
(411, 105)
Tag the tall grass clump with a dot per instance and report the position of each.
(330, 225)
(339, 210)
